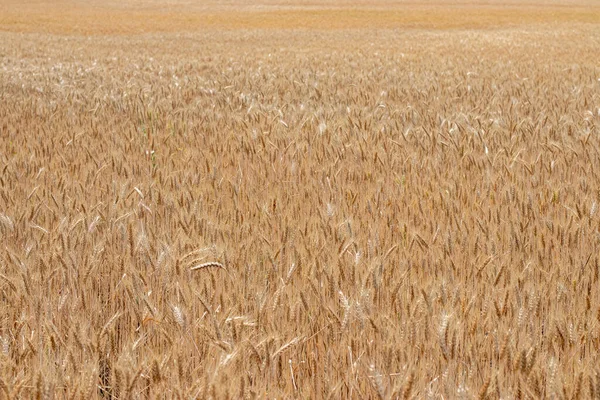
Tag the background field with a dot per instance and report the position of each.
(403, 197)
(127, 17)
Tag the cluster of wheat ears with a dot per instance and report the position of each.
(291, 214)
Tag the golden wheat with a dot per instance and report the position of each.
(403, 201)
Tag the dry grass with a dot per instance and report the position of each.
(372, 213)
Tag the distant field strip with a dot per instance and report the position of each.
(89, 20)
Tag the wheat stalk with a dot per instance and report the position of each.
(211, 264)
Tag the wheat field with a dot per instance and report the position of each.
(396, 200)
